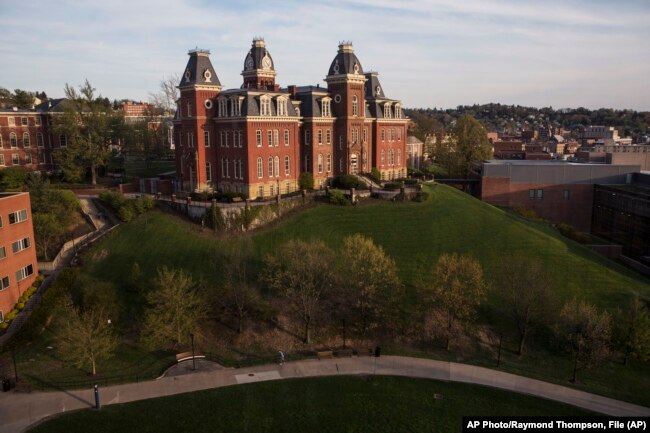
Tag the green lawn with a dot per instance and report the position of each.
(333, 404)
(414, 234)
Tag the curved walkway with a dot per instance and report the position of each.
(18, 411)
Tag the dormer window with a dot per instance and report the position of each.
(398, 111)
(387, 113)
(223, 107)
(326, 104)
(282, 106)
(265, 105)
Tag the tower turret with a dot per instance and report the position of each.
(259, 69)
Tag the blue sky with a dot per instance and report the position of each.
(429, 53)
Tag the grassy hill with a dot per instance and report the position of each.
(414, 234)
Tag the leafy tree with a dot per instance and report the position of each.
(12, 179)
(23, 99)
(176, 309)
(89, 127)
(457, 291)
(369, 281)
(528, 295)
(632, 331)
(468, 143)
(84, 337)
(302, 273)
(48, 231)
(306, 181)
(586, 333)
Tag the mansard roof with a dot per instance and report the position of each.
(199, 70)
(345, 62)
(251, 101)
(310, 98)
(255, 58)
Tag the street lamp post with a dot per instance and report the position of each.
(193, 358)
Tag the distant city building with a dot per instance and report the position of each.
(618, 155)
(558, 191)
(257, 139)
(18, 264)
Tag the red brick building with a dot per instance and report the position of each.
(18, 264)
(259, 138)
(558, 191)
(26, 136)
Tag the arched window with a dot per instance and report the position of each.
(13, 140)
(320, 163)
(26, 141)
(355, 105)
(329, 162)
(260, 168)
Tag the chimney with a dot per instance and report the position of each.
(292, 91)
(276, 87)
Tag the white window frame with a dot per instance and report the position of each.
(258, 137)
(320, 163)
(27, 140)
(286, 137)
(20, 245)
(287, 166)
(260, 167)
(276, 166)
(270, 167)
(24, 272)
(13, 140)
(4, 282)
(329, 163)
(15, 159)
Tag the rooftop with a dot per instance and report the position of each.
(551, 162)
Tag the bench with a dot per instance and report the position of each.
(186, 356)
(325, 354)
(366, 352)
(343, 353)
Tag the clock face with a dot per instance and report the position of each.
(266, 62)
(249, 62)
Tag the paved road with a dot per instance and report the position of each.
(18, 411)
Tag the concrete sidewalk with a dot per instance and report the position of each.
(18, 411)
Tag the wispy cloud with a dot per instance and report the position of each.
(429, 52)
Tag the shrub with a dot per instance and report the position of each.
(4, 325)
(20, 306)
(337, 197)
(527, 213)
(11, 315)
(392, 186)
(214, 218)
(570, 232)
(411, 182)
(346, 181)
(421, 196)
(125, 213)
(306, 181)
(375, 175)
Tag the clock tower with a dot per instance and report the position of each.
(259, 69)
(346, 84)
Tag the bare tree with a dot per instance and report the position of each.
(84, 337)
(457, 291)
(528, 295)
(586, 333)
(302, 273)
(240, 297)
(167, 95)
